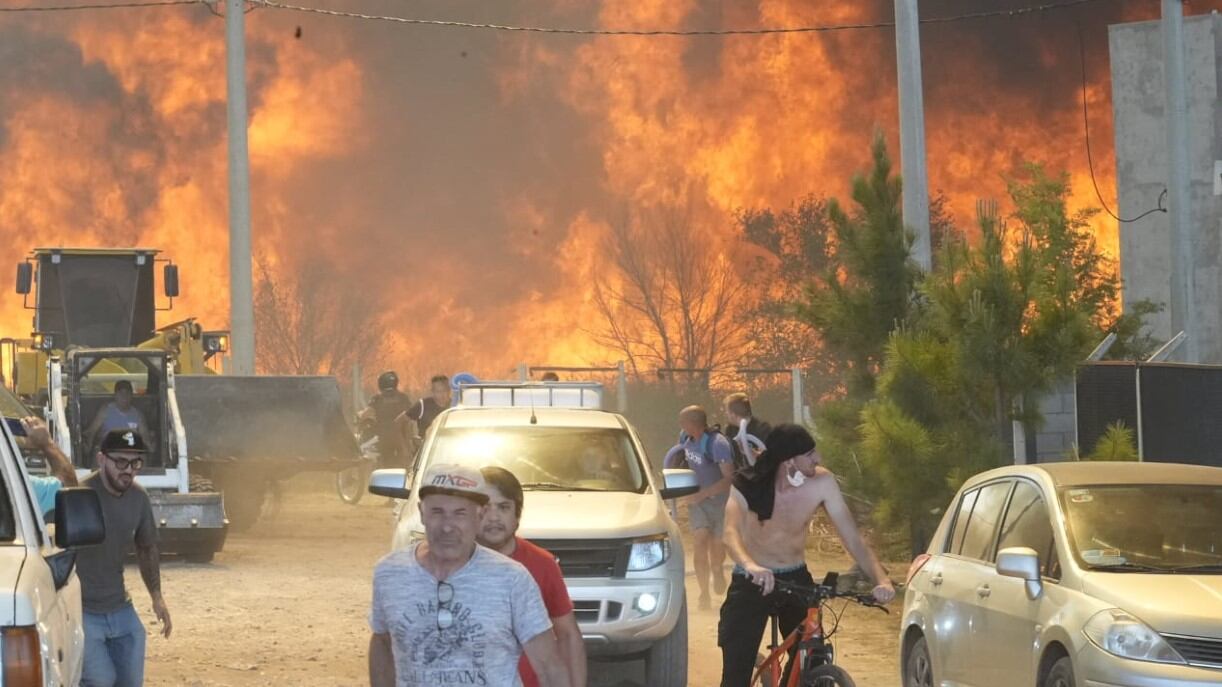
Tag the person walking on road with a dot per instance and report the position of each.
(737, 408)
(424, 411)
(499, 533)
(710, 455)
(447, 611)
(767, 521)
(114, 636)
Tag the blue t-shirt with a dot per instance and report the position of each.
(707, 467)
(45, 489)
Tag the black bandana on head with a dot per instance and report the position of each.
(758, 482)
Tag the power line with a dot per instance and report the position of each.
(273, 4)
(1090, 161)
(101, 6)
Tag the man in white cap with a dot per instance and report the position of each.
(447, 611)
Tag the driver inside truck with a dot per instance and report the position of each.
(118, 414)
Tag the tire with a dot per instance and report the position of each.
(918, 669)
(666, 660)
(827, 675)
(244, 501)
(1061, 674)
(352, 483)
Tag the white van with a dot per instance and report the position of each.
(592, 498)
(41, 634)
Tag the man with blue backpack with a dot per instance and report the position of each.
(707, 452)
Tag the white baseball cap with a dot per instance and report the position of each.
(455, 480)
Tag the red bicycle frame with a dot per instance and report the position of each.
(769, 672)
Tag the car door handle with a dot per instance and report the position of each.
(936, 580)
(983, 591)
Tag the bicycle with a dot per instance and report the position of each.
(812, 661)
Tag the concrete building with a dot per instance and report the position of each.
(1138, 102)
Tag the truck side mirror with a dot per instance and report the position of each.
(78, 518)
(170, 280)
(25, 277)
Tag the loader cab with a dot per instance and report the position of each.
(90, 380)
(95, 298)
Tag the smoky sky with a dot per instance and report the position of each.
(427, 209)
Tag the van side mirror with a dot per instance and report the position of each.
(78, 518)
(678, 483)
(1023, 563)
(25, 277)
(389, 483)
(169, 279)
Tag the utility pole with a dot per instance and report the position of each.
(241, 288)
(1179, 207)
(912, 129)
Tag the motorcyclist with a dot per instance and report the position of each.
(386, 405)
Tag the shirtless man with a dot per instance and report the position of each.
(767, 519)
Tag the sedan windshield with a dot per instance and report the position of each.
(1146, 528)
(548, 458)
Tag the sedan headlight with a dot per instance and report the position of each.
(648, 553)
(1123, 635)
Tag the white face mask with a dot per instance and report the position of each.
(796, 477)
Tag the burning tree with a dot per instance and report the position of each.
(673, 299)
(314, 321)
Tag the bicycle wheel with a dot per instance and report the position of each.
(827, 675)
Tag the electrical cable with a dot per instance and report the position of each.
(274, 4)
(1090, 162)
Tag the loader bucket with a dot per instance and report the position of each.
(288, 424)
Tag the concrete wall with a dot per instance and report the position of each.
(1138, 103)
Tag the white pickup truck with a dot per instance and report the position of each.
(41, 634)
(593, 499)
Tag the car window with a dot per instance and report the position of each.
(981, 528)
(1027, 523)
(961, 517)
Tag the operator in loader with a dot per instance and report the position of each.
(118, 414)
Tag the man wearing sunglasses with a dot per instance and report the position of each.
(114, 635)
(447, 611)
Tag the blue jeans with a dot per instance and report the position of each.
(114, 649)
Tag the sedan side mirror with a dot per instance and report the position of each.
(1023, 563)
(78, 518)
(389, 483)
(679, 483)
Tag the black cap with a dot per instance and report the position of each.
(127, 440)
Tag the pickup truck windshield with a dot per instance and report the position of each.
(1146, 527)
(548, 458)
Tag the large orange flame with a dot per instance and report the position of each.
(113, 133)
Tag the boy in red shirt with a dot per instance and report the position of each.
(499, 533)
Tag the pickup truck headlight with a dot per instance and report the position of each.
(1123, 635)
(648, 553)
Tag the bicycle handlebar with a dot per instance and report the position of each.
(817, 594)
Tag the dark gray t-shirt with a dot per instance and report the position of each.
(129, 521)
(496, 608)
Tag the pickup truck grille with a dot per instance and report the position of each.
(1199, 651)
(589, 557)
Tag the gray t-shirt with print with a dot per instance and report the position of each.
(496, 608)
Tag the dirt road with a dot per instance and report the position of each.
(285, 604)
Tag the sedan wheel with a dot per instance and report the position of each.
(918, 671)
(1061, 674)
